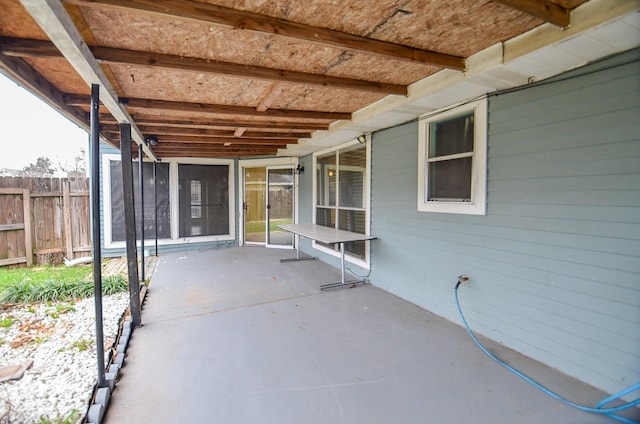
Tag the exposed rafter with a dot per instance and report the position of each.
(108, 55)
(215, 152)
(78, 100)
(222, 133)
(184, 140)
(234, 123)
(211, 13)
(205, 132)
(56, 23)
(546, 10)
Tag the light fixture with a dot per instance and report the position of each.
(299, 169)
(331, 173)
(362, 139)
(152, 140)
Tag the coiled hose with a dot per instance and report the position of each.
(599, 409)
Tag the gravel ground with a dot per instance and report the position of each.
(60, 340)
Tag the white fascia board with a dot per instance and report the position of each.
(586, 16)
(56, 23)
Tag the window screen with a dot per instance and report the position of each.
(203, 200)
(163, 207)
(450, 158)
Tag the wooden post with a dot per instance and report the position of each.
(66, 212)
(28, 243)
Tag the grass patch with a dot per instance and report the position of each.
(39, 275)
(7, 322)
(60, 309)
(43, 284)
(72, 418)
(82, 345)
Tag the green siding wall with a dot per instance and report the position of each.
(554, 265)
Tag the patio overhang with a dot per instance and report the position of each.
(210, 81)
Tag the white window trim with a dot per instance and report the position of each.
(173, 199)
(366, 263)
(478, 204)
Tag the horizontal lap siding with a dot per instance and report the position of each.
(555, 263)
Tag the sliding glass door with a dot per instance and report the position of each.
(268, 202)
(279, 205)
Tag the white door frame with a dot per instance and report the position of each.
(284, 162)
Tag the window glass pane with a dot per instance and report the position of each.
(203, 200)
(351, 175)
(326, 180)
(451, 136)
(354, 221)
(326, 217)
(450, 180)
(163, 207)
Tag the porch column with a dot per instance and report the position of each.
(94, 155)
(130, 223)
(155, 202)
(141, 179)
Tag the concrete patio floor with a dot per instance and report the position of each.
(234, 336)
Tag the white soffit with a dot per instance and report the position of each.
(599, 28)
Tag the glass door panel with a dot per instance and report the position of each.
(280, 206)
(255, 205)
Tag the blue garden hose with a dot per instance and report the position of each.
(599, 409)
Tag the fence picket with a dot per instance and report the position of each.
(43, 215)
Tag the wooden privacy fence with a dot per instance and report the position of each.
(45, 219)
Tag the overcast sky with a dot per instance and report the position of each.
(29, 128)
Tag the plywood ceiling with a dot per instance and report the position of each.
(232, 78)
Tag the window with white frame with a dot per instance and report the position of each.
(452, 160)
(341, 193)
(193, 201)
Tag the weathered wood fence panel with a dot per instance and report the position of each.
(45, 218)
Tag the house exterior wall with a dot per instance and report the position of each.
(554, 263)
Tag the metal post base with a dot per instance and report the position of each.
(301, 258)
(351, 283)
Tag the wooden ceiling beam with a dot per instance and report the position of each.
(233, 110)
(81, 100)
(225, 155)
(194, 139)
(217, 146)
(220, 133)
(214, 152)
(141, 119)
(107, 55)
(238, 19)
(132, 57)
(547, 10)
